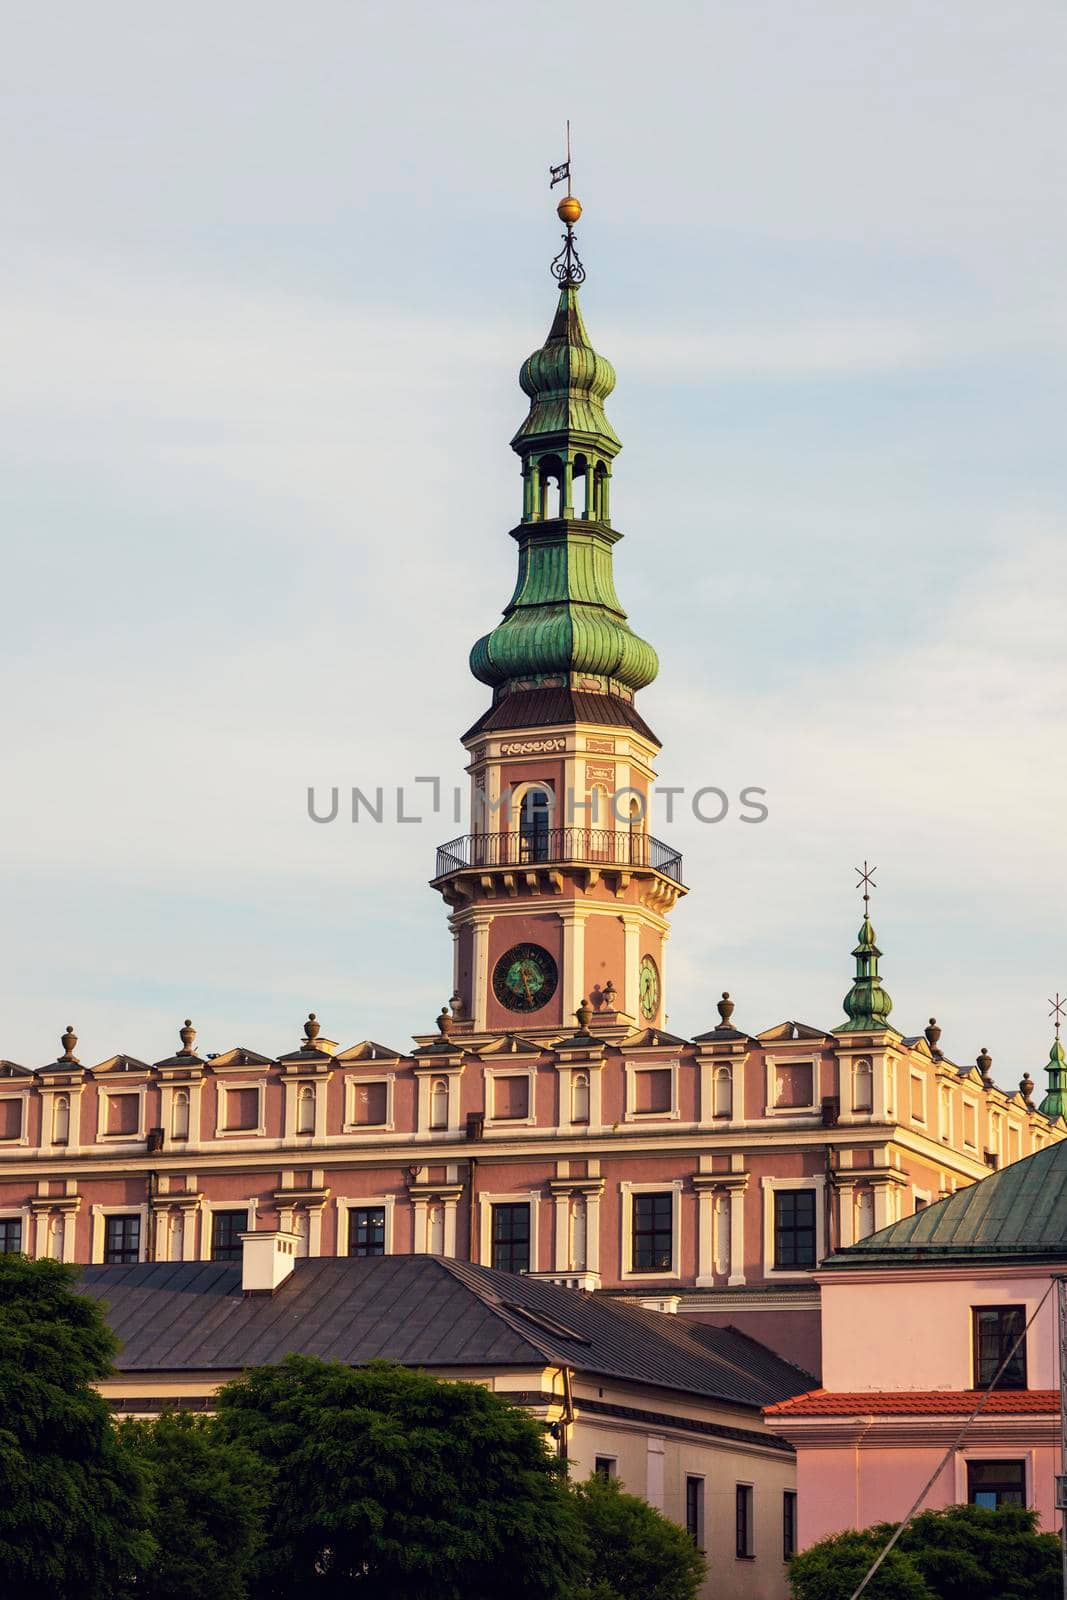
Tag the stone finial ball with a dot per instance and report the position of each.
(569, 210)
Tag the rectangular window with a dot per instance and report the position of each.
(123, 1113)
(789, 1524)
(226, 1230)
(653, 1232)
(242, 1110)
(10, 1235)
(794, 1085)
(371, 1104)
(996, 1329)
(694, 1510)
(605, 1467)
(122, 1240)
(10, 1119)
(918, 1097)
(366, 1231)
(794, 1228)
(996, 1483)
(511, 1097)
(652, 1091)
(511, 1238)
(746, 1548)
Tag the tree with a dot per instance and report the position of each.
(405, 1487)
(637, 1553)
(73, 1505)
(208, 1497)
(963, 1553)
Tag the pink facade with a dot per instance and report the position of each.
(900, 1365)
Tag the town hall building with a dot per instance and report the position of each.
(548, 1124)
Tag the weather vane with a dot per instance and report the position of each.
(1058, 1007)
(566, 267)
(865, 879)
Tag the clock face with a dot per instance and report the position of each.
(525, 978)
(649, 988)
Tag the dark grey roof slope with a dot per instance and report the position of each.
(1019, 1213)
(423, 1311)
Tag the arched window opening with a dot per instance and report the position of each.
(862, 1086)
(535, 819)
(61, 1119)
(549, 488)
(305, 1109)
(724, 1092)
(439, 1103)
(180, 1115)
(580, 1097)
(635, 824)
(601, 492)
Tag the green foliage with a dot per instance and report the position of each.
(834, 1568)
(410, 1488)
(73, 1505)
(963, 1553)
(637, 1553)
(208, 1497)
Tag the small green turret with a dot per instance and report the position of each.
(867, 1004)
(1055, 1102)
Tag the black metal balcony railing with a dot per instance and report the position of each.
(585, 846)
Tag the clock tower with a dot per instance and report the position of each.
(560, 893)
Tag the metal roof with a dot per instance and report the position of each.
(543, 708)
(1019, 1212)
(423, 1311)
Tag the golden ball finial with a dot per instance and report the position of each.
(569, 210)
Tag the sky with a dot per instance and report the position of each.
(268, 275)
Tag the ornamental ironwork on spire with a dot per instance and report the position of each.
(1055, 1102)
(867, 1004)
(564, 618)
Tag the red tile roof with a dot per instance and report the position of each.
(917, 1403)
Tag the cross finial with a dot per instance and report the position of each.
(865, 880)
(1058, 1005)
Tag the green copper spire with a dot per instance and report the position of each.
(867, 1004)
(564, 624)
(1055, 1102)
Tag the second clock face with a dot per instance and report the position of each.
(649, 988)
(525, 978)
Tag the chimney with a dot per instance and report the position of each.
(267, 1259)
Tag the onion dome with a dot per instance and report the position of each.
(1055, 1102)
(564, 621)
(867, 1005)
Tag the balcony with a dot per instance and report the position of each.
(586, 847)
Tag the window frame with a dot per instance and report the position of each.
(744, 1521)
(1009, 1380)
(224, 1087)
(789, 1523)
(772, 1064)
(7, 1222)
(104, 1095)
(514, 1208)
(654, 1230)
(796, 1230)
(694, 1508)
(354, 1213)
(606, 1467)
(978, 1462)
(124, 1255)
(234, 1249)
(491, 1074)
(633, 1072)
(629, 1191)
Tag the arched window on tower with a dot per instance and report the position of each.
(180, 1115)
(862, 1086)
(635, 824)
(305, 1109)
(550, 488)
(61, 1119)
(724, 1092)
(580, 1097)
(601, 492)
(439, 1103)
(535, 818)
